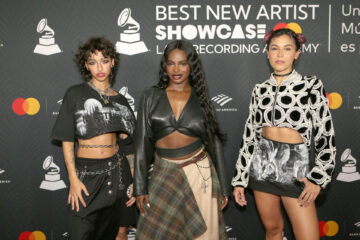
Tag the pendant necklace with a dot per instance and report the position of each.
(102, 93)
(204, 184)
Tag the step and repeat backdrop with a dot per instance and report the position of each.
(38, 40)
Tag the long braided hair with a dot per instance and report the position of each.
(196, 80)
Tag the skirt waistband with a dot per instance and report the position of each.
(277, 142)
(178, 152)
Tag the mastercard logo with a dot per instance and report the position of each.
(335, 100)
(329, 228)
(36, 235)
(292, 26)
(30, 106)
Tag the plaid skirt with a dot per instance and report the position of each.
(173, 212)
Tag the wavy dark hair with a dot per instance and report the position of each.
(196, 80)
(298, 38)
(91, 46)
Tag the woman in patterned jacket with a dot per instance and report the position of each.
(285, 112)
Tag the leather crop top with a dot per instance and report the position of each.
(156, 120)
(163, 121)
(299, 103)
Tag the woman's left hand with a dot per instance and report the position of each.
(224, 201)
(309, 194)
(132, 198)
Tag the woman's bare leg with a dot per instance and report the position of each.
(269, 208)
(304, 220)
(122, 234)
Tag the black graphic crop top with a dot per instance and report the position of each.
(298, 103)
(83, 115)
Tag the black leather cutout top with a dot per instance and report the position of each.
(156, 120)
(163, 120)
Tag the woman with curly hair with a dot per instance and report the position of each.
(96, 117)
(285, 112)
(187, 189)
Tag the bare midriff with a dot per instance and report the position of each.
(176, 140)
(98, 150)
(286, 135)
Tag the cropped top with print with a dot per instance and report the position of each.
(156, 120)
(298, 103)
(83, 115)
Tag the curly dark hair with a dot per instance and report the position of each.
(196, 80)
(91, 46)
(298, 38)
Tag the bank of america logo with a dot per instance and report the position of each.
(221, 99)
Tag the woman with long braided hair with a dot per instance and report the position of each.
(177, 126)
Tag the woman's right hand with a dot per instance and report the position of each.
(239, 196)
(140, 203)
(76, 187)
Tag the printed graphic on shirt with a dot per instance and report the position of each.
(131, 100)
(96, 116)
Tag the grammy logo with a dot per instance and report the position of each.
(348, 172)
(52, 180)
(130, 43)
(46, 45)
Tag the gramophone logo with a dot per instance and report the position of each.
(46, 45)
(348, 172)
(125, 92)
(130, 43)
(52, 180)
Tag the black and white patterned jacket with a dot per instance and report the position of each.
(298, 103)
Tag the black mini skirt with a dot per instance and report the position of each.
(276, 168)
